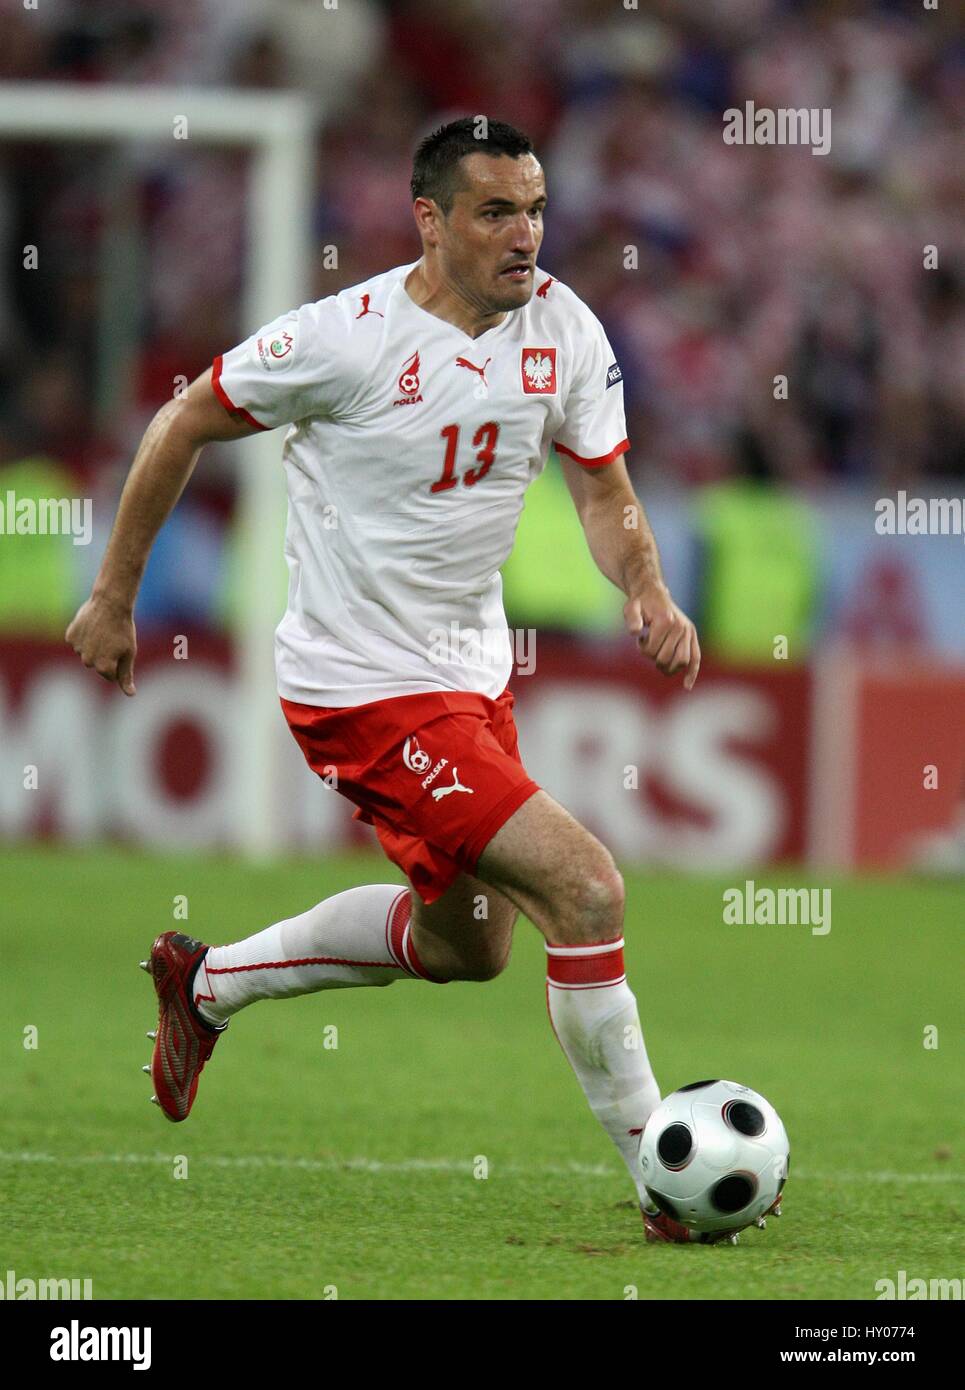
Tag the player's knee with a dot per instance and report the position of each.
(601, 900)
(595, 904)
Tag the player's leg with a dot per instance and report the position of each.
(556, 872)
(566, 882)
(371, 935)
(353, 938)
(467, 934)
(358, 937)
(364, 936)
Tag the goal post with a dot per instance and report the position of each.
(277, 129)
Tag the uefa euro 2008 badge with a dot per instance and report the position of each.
(275, 352)
(537, 367)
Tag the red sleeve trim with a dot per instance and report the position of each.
(225, 399)
(615, 452)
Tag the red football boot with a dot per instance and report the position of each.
(183, 1041)
(661, 1227)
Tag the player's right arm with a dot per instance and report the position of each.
(102, 631)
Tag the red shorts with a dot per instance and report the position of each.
(437, 775)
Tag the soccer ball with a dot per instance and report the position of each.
(714, 1156)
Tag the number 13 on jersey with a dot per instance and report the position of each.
(483, 441)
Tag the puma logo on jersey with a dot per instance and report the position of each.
(367, 310)
(464, 362)
(543, 290)
(440, 792)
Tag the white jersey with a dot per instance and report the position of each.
(410, 450)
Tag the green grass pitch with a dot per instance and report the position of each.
(313, 1168)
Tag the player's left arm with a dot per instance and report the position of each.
(623, 546)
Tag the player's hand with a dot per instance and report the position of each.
(102, 634)
(663, 632)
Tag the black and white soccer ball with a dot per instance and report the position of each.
(714, 1156)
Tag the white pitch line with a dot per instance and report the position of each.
(424, 1165)
(313, 1165)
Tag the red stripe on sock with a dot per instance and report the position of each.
(411, 958)
(401, 945)
(199, 997)
(606, 968)
(307, 960)
(605, 984)
(401, 907)
(398, 920)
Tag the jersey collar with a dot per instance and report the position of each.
(409, 303)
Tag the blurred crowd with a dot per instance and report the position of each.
(716, 268)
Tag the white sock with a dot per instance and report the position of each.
(594, 1017)
(360, 937)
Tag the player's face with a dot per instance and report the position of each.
(489, 242)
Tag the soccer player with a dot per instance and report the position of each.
(419, 407)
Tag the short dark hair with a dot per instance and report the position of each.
(435, 167)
